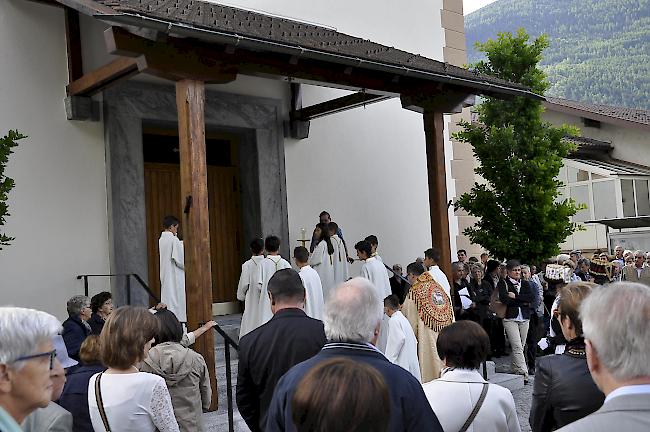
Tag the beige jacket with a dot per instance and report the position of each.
(186, 375)
(52, 418)
(630, 274)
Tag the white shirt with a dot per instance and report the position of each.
(172, 274)
(454, 394)
(629, 390)
(519, 317)
(313, 292)
(341, 265)
(268, 267)
(373, 270)
(440, 277)
(136, 402)
(248, 291)
(402, 347)
(321, 261)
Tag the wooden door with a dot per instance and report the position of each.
(163, 197)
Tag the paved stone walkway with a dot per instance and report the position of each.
(522, 397)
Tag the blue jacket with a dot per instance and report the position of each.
(75, 396)
(410, 410)
(74, 333)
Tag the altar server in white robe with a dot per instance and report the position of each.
(249, 288)
(373, 270)
(322, 259)
(310, 279)
(172, 269)
(272, 263)
(374, 244)
(341, 265)
(431, 259)
(402, 346)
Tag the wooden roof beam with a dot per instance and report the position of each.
(334, 106)
(107, 75)
(255, 63)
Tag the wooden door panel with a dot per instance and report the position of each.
(163, 197)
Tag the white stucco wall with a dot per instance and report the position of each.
(630, 144)
(366, 166)
(58, 207)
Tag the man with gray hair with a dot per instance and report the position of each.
(353, 314)
(27, 357)
(618, 355)
(76, 328)
(639, 271)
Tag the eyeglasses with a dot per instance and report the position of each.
(51, 354)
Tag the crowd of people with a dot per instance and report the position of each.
(320, 351)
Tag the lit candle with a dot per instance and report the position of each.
(303, 232)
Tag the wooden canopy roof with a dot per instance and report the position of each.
(299, 45)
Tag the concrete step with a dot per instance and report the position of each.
(510, 381)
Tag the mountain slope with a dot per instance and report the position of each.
(599, 49)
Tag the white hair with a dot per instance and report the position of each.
(353, 311)
(22, 329)
(615, 319)
(76, 304)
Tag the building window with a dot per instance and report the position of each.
(627, 192)
(604, 196)
(642, 198)
(580, 195)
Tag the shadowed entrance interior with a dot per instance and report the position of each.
(163, 197)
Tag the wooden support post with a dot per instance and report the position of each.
(435, 145)
(190, 101)
(73, 44)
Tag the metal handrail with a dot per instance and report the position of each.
(128, 277)
(395, 274)
(227, 343)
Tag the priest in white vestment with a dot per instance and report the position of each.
(431, 259)
(172, 269)
(373, 270)
(269, 265)
(249, 288)
(402, 346)
(322, 260)
(341, 264)
(313, 289)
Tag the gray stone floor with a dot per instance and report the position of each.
(522, 397)
(218, 421)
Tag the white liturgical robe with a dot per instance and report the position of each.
(402, 347)
(374, 270)
(268, 267)
(248, 291)
(172, 274)
(440, 277)
(313, 292)
(323, 263)
(341, 265)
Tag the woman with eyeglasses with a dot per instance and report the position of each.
(122, 398)
(27, 357)
(76, 327)
(564, 390)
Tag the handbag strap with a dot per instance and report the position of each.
(100, 402)
(477, 407)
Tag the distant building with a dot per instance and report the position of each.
(609, 172)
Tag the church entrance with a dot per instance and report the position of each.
(163, 197)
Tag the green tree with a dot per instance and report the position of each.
(520, 157)
(6, 184)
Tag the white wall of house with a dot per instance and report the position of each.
(58, 207)
(630, 144)
(366, 166)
